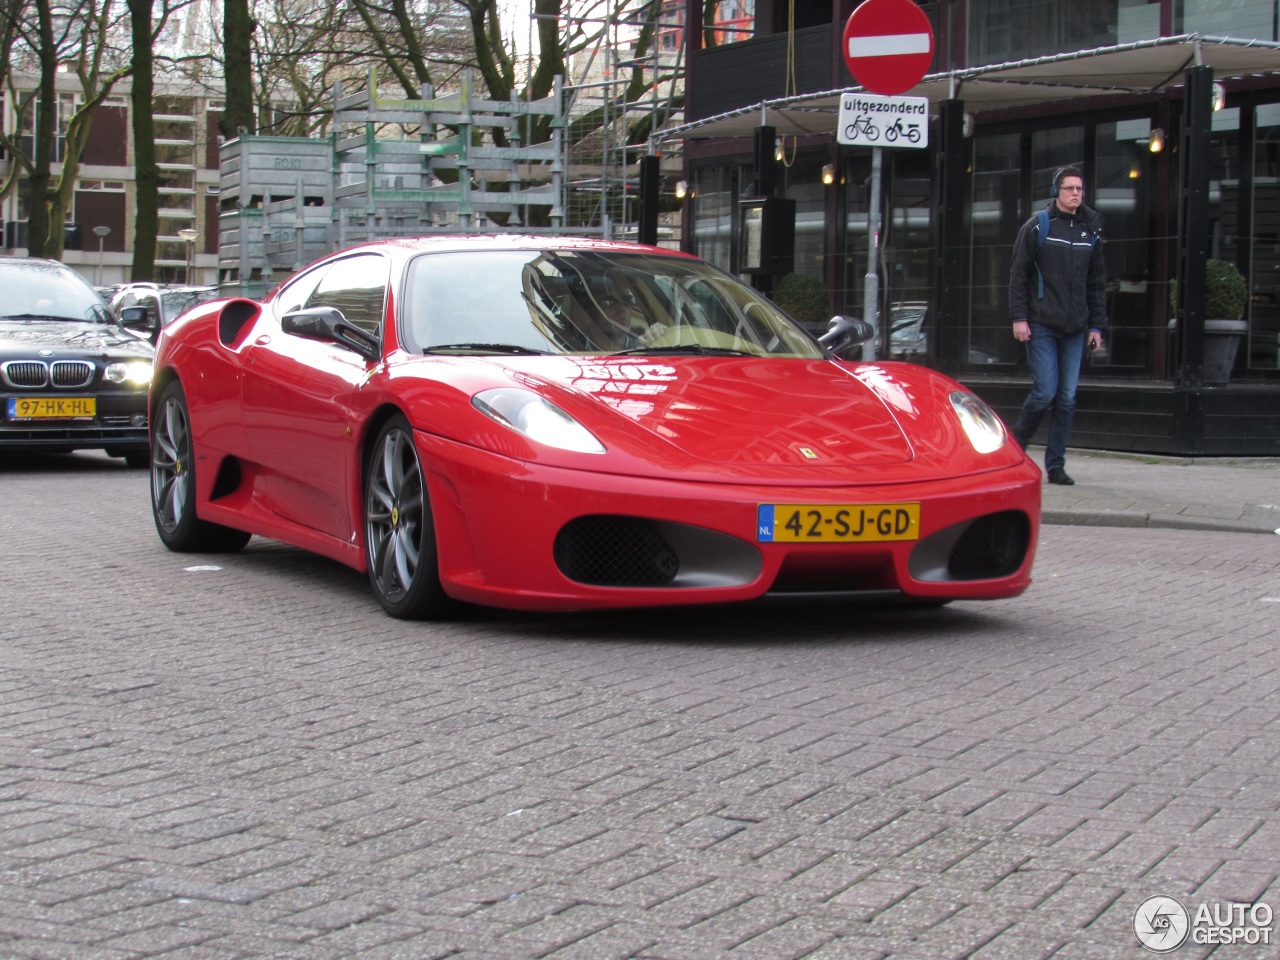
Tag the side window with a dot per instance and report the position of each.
(294, 294)
(358, 287)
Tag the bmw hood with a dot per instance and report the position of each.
(64, 338)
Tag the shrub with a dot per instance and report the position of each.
(1225, 292)
(803, 297)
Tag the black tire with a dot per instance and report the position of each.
(137, 460)
(173, 483)
(399, 535)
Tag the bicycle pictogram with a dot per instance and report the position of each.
(862, 126)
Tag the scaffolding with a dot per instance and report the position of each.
(401, 167)
(286, 201)
(602, 168)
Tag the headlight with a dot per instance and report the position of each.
(131, 371)
(981, 425)
(540, 421)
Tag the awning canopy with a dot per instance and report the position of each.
(1125, 69)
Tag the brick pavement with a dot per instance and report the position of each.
(253, 762)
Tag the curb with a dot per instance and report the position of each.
(1121, 518)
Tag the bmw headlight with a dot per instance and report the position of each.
(137, 372)
(981, 425)
(539, 420)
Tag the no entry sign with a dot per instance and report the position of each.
(888, 45)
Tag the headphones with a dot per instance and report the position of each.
(1059, 175)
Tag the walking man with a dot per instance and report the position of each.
(1057, 301)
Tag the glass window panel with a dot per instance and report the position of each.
(713, 203)
(728, 21)
(857, 203)
(1239, 18)
(996, 215)
(805, 187)
(1004, 30)
(1264, 271)
(1122, 194)
(907, 280)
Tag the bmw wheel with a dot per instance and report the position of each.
(400, 539)
(173, 483)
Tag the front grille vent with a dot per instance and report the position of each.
(993, 546)
(25, 373)
(72, 373)
(613, 551)
(66, 374)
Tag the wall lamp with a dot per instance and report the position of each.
(828, 173)
(1219, 96)
(1155, 142)
(682, 189)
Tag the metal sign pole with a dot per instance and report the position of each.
(871, 286)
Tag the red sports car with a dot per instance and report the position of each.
(564, 424)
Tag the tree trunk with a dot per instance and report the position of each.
(237, 34)
(46, 130)
(147, 174)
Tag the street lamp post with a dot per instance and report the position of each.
(101, 234)
(188, 236)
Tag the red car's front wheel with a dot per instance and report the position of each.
(399, 535)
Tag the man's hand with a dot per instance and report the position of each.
(1095, 340)
(655, 331)
(1021, 330)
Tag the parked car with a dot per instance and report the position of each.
(154, 307)
(907, 337)
(71, 376)
(561, 424)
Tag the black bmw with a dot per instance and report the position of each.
(71, 377)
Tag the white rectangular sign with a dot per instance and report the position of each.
(870, 120)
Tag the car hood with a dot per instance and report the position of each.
(25, 338)
(787, 420)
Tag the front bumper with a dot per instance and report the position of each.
(519, 535)
(119, 424)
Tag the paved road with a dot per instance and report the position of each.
(240, 757)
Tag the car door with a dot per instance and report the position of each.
(298, 396)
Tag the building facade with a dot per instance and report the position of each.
(99, 227)
(1172, 108)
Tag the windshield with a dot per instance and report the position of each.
(589, 302)
(37, 290)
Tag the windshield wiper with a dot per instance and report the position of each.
(485, 348)
(41, 316)
(685, 350)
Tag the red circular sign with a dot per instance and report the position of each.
(888, 45)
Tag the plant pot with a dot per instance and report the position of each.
(1221, 341)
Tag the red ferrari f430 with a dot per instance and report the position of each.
(567, 424)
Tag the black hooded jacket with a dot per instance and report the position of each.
(1060, 282)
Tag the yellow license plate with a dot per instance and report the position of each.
(837, 522)
(52, 408)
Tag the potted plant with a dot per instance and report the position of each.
(804, 298)
(1225, 297)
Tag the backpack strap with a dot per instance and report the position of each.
(1042, 234)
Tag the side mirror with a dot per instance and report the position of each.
(137, 318)
(328, 325)
(844, 333)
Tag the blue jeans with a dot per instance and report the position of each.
(1055, 372)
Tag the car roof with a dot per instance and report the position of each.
(506, 241)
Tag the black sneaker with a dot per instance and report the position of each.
(1059, 476)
